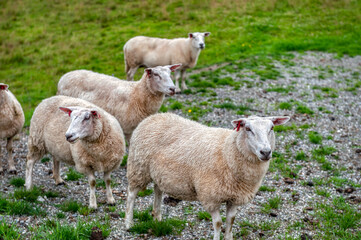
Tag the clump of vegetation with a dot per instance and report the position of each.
(17, 182)
(146, 192)
(285, 106)
(8, 231)
(273, 203)
(73, 175)
(70, 206)
(264, 188)
(28, 195)
(315, 137)
(202, 215)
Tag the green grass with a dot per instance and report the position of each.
(70, 206)
(17, 182)
(315, 137)
(146, 192)
(266, 189)
(285, 106)
(20, 207)
(8, 231)
(202, 215)
(40, 41)
(124, 161)
(73, 175)
(273, 203)
(28, 195)
(159, 228)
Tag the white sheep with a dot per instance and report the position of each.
(11, 122)
(190, 161)
(129, 102)
(100, 146)
(143, 51)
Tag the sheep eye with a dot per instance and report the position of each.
(248, 129)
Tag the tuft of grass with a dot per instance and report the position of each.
(303, 109)
(176, 105)
(315, 137)
(8, 231)
(301, 156)
(202, 215)
(285, 106)
(159, 228)
(60, 215)
(73, 175)
(146, 192)
(45, 160)
(322, 192)
(124, 161)
(17, 182)
(273, 203)
(28, 195)
(70, 206)
(163, 109)
(266, 189)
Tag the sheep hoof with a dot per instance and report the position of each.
(60, 183)
(111, 204)
(13, 172)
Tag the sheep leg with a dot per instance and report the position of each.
(157, 212)
(30, 161)
(230, 216)
(176, 77)
(131, 195)
(131, 73)
(217, 223)
(9, 148)
(56, 172)
(92, 197)
(108, 180)
(184, 86)
(1, 164)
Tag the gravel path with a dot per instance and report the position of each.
(320, 81)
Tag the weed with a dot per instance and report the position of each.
(273, 203)
(322, 192)
(159, 228)
(266, 189)
(301, 156)
(202, 215)
(176, 105)
(285, 106)
(303, 109)
(315, 137)
(60, 215)
(146, 192)
(51, 194)
(17, 182)
(163, 109)
(45, 160)
(70, 206)
(73, 175)
(124, 161)
(8, 231)
(28, 195)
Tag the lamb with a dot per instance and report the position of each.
(90, 138)
(129, 102)
(190, 161)
(11, 122)
(143, 51)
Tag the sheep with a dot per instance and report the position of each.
(190, 161)
(90, 138)
(143, 51)
(11, 122)
(129, 102)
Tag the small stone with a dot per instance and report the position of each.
(332, 118)
(308, 208)
(96, 234)
(293, 174)
(50, 171)
(261, 234)
(114, 215)
(350, 190)
(340, 190)
(41, 199)
(273, 214)
(310, 183)
(289, 180)
(358, 150)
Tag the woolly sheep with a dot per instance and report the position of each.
(11, 122)
(100, 146)
(129, 102)
(143, 51)
(190, 161)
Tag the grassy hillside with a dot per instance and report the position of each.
(42, 40)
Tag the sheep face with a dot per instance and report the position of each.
(198, 39)
(257, 133)
(160, 78)
(82, 123)
(3, 86)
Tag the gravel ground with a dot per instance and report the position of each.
(336, 117)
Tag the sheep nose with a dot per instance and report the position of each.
(172, 89)
(68, 136)
(266, 154)
(201, 45)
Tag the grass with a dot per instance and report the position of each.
(8, 231)
(17, 182)
(202, 215)
(315, 137)
(266, 189)
(273, 203)
(124, 161)
(39, 41)
(20, 207)
(70, 206)
(28, 195)
(146, 192)
(73, 175)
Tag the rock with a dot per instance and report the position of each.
(114, 215)
(308, 208)
(349, 190)
(289, 180)
(358, 150)
(273, 214)
(96, 234)
(340, 190)
(310, 183)
(171, 201)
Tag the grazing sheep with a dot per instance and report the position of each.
(11, 122)
(150, 52)
(190, 161)
(129, 102)
(100, 147)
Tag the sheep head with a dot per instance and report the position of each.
(83, 123)
(160, 80)
(197, 39)
(256, 134)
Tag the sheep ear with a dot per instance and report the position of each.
(279, 120)
(66, 110)
(4, 86)
(190, 35)
(206, 34)
(175, 67)
(95, 113)
(237, 124)
(149, 71)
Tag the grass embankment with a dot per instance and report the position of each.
(42, 40)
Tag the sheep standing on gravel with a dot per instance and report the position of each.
(150, 52)
(11, 122)
(129, 102)
(101, 144)
(190, 161)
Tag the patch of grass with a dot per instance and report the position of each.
(285, 106)
(285, 128)
(28, 195)
(101, 184)
(303, 109)
(8, 231)
(159, 228)
(51, 194)
(143, 216)
(195, 112)
(146, 192)
(322, 192)
(70, 206)
(301, 156)
(280, 89)
(264, 188)
(323, 150)
(202, 215)
(73, 175)
(163, 109)
(17, 182)
(124, 161)
(60, 215)
(24, 208)
(273, 203)
(176, 105)
(45, 160)
(315, 137)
